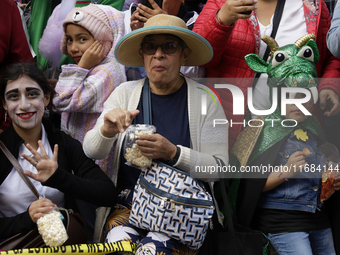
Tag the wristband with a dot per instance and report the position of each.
(219, 20)
(281, 174)
(174, 160)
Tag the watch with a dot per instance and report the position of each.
(174, 160)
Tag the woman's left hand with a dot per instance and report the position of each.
(45, 166)
(144, 13)
(156, 146)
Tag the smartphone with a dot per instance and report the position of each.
(133, 8)
(147, 4)
(247, 13)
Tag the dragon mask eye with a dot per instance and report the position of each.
(306, 52)
(279, 57)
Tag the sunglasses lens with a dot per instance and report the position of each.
(169, 47)
(149, 48)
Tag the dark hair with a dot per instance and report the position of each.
(18, 70)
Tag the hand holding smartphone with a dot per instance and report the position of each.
(233, 10)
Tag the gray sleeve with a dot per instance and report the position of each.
(333, 35)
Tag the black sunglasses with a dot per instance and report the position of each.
(151, 48)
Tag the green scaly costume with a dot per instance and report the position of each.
(290, 66)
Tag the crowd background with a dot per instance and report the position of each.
(28, 20)
(35, 14)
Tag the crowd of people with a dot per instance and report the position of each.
(84, 72)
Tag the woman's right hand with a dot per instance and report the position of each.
(295, 164)
(39, 208)
(117, 121)
(233, 10)
(135, 23)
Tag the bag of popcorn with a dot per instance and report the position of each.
(331, 158)
(52, 229)
(132, 154)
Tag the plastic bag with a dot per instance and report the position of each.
(52, 229)
(132, 154)
(331, 158)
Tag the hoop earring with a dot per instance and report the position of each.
(5, 116)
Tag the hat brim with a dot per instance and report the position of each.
(127, 49)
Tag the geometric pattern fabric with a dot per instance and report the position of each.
(169, 201)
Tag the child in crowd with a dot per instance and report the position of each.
(90, 37)
(285, 202)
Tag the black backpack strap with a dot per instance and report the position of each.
(146, 95)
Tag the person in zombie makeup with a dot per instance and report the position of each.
(56, 163)
(13, 46)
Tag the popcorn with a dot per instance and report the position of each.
(52, 229)
(306, 151)
(135, 156)
(132, 154)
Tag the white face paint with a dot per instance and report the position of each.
(25, 102)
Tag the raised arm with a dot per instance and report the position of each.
(333, 43)
(216, 22)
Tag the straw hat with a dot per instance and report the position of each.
(127, 49)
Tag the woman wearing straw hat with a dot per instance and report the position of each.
(186, 136)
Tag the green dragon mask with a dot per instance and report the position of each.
(292, 65)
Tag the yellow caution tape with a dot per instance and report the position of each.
(96, 248)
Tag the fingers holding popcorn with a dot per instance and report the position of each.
(133, 154)
(39, 208)
(306, 152)
(156, 146)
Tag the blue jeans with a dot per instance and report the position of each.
(317, 242)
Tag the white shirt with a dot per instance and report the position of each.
(15, 196)
(292, 26)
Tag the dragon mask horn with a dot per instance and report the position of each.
(303, 40)
(272, 44)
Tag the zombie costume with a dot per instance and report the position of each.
(77, 176)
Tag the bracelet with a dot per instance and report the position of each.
(281, 174)
(174, 160)
(219, 19)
